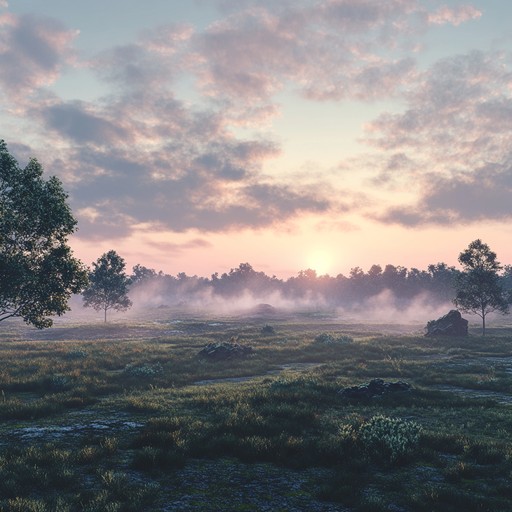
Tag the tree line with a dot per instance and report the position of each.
(38, 272)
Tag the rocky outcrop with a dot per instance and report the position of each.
(376, 387)
(451, 324)
(224, 350)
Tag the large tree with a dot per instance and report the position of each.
(108, 284)
(478, 287)
(38, 272)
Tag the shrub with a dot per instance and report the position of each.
(145, 370)
(268, 329)
(76, 354)
(331, 339)
(389, 438)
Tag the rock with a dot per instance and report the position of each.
(451, 324)
(376, 387)
(224, 350)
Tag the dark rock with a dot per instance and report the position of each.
(376, 387)
(451, 324)
(224, 350)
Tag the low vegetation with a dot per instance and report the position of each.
(137, 421)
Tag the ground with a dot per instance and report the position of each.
(125, 416)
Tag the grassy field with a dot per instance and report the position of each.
(126, 417)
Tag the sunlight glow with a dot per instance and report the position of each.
(320, 261)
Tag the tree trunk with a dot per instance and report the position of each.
(105, 315)
(483, 324)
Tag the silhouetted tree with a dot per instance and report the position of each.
(141, 273)
(38, 272)
(108, 285)
(479, 290)
(443, 280)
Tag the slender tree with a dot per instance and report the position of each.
(38, 272)
(478, 288)
(108, 285)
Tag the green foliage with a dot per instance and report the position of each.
(143, 371)
(479, 290)
(38, 272)
(333, 338)
(389, 438)
(141, 440)
(108, 284)
(268, 329)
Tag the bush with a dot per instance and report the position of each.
(145, 370)
(268, 330)
(331, 339)
(76, 354)
(389, 438)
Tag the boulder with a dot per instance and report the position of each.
(224, 350)
(451, 324)
(376, 387)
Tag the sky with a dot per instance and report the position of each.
(195, 135)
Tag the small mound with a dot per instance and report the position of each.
(264, 310)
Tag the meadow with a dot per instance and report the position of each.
(126, 416)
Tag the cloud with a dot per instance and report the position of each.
(456, 115)
(327, 50)
(191, 173)
(332, 50)
(142, 156)
(33, 51)
(73, 120)
(454, 16)
(451, 143)
(465, 198)
(174, 248)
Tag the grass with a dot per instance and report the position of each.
(92, 420)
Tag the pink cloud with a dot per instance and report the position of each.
(452, 143)
(456, 114)
(454, 16)
(337, 49)
(33, 51)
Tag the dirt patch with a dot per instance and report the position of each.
(297, 367)
(502, 398)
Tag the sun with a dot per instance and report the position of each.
(320, 262)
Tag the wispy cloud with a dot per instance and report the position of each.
(454, 16)
(460, 199)
(453, 142)
(32, 53)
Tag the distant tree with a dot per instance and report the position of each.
(38, 272)
(442, 280)
(478, 288)
(141, 273)
(108, 285)
(506, 280)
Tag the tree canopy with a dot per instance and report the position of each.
(108, 285)
(38, 272)
(479, 289)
